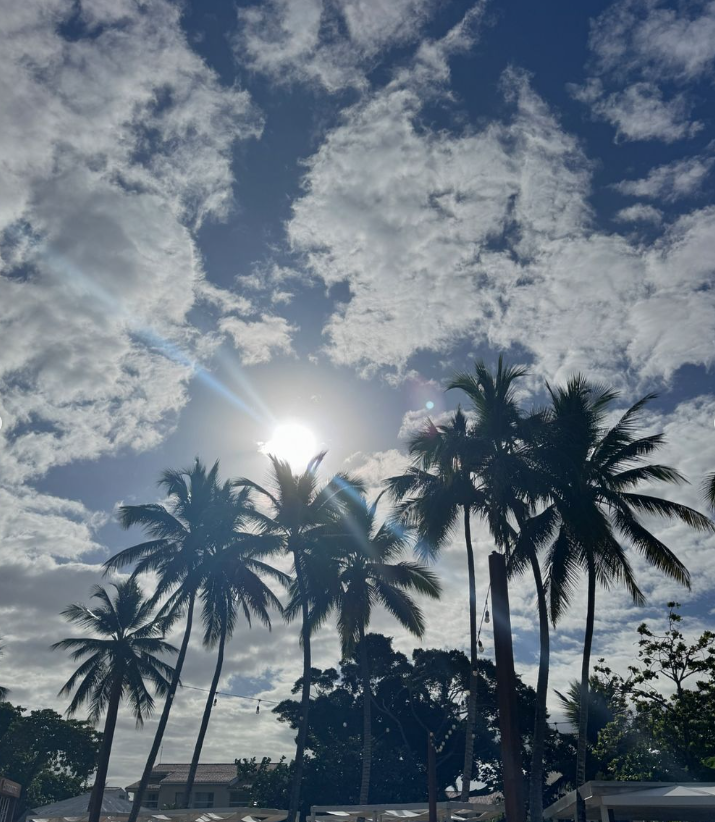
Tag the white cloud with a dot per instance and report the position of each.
(328, 43)
(115, 146)
(644, 51)
(671, 41)
(259, 341)
(670, 182)
(640, 112)
(487, 236)
(639, 213)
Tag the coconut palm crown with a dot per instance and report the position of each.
(594, 473)
(117, 661)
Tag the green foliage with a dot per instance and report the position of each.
(269, 781)
(51, 757)
(666, 729)
(410, 697)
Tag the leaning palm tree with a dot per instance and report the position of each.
(357, 567)
(510, 486)
(180, 535)
(300, 512)
(232, 582)
(116, 663)
(431, 496)
(593, 472)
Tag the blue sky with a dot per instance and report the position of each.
(216, 217)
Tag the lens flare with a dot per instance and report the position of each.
(293, 443)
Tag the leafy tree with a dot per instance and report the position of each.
(667, 734)
(51, 757)
(592, 471)
(410, 697)
(181, 534)
(269, 781)
(232, 583)
(361, 568)
(115, 663)
(300, 513)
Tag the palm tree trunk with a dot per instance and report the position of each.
(536, 783)
(294, 803)
(159, 735)
(205, 719)
(110, 723)
(472, 704)
(366, 720)
(583, 707)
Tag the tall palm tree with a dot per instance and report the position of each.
(181, 533)
(300, 512)
(116, 662)
(593, 472)
(358, 568)
(432, 495)
(505, 475)
(232, 583)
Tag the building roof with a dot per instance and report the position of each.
(114, 801)
(640, 800)
(211, 773)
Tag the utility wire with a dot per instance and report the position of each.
(237, 696)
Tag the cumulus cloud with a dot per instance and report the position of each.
(487, 236)
(672, 181)
(646, 57)
(640, 112)
(258, 341)
(658, 39)
(639, 213)
(117, 144)
(331, 43)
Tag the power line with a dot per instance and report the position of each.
(237, 696)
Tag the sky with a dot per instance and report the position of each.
(219, 217)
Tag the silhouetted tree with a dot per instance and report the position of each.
(116, 661)
(300, 512)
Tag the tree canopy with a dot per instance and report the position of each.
(51, 757)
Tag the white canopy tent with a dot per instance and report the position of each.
(643, 801)
(454, 811)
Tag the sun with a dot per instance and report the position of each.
(293, 443)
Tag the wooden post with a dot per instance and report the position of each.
(431, 778)
(506, 692)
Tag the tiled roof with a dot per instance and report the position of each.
(173, 773)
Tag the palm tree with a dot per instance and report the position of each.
(300, 512)
(504, 474)
(358, 569)
(117, 660)
(233, 582)
(593, 471)
(181, 534)
(432, 495)
(709, 490)
(3, 691)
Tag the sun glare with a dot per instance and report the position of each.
(293, 443)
